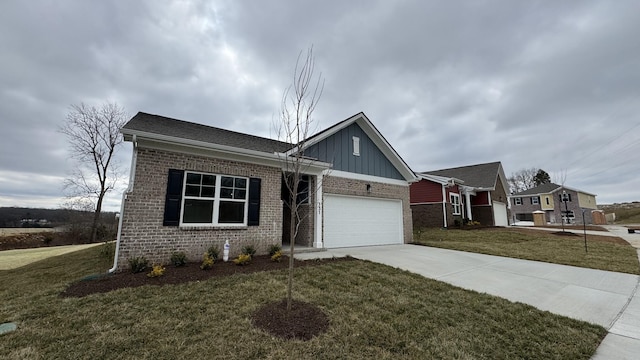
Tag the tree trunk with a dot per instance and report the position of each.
(96, 219)
(292, 235)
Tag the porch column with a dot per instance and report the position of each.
(467, 203)
(317, 224)
(444, 205)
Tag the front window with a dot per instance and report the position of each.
(534, 200)
(214, 199)
(455, 203)
(517, 201)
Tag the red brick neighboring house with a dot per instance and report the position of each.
(193, 186)
(449, 197)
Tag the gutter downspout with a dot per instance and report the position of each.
(444, 206)
(132, 176)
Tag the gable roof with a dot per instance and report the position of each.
(540, 189)
(482, 176)
(547, 189)
(144, 123)
(372, 132)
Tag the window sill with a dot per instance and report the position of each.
(213, 227)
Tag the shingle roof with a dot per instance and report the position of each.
(162, 125)
(540, 189)
(480, 175)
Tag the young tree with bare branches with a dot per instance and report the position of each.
(295, 126)
(94, 135)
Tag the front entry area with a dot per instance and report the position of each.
(361, 221)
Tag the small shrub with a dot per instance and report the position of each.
(274, 249)
(207, 261)
(48, 238)
(179, 259)
(277, 256)
(213, 252)
(156, 271)
(249, 250)
(138, 264)
(242, 259)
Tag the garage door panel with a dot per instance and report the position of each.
(500, 214)
(360, 221)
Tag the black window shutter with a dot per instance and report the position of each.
(254, 202)
(569, 197)
(173, 199)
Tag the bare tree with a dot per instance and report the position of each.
(522, 180)
(295, 125)
(94, 135)
(560, 177)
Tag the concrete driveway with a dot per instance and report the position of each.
(605, 298)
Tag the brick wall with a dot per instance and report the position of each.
(430, 215)
(352, 187)
(144, 235)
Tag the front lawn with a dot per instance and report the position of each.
(375, 312)
(604, 252)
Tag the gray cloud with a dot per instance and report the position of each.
(533, 84)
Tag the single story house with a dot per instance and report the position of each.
(193, 186)
(558, 203)
(450, 197)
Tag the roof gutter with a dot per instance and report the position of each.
(132, 176)
(275, 157)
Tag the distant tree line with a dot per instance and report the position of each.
(12, 217)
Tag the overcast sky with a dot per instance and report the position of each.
(545, 84)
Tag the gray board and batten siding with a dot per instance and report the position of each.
(337, 149)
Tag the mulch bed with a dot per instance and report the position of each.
(177, 275)
(564, 233)
(302, 322)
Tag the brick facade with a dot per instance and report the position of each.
(143, 234)
(430, 215)
(341, 186)
(552, 216)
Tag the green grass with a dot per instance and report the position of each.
(537, 245)
(628, 216)
(375, 312)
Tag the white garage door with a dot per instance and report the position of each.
(500, 214)
(360, 221)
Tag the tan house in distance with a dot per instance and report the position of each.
(549, 198)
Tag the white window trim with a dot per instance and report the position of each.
(356, 146)
(535, 200)
(517, 201)
(455, 204)
(216, 202)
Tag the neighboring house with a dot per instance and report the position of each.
(549, 198)
(450, 197)
(193, 186)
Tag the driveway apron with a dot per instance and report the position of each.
(605, 298)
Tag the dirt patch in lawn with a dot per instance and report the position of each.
(302, 322)
(183, 274)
